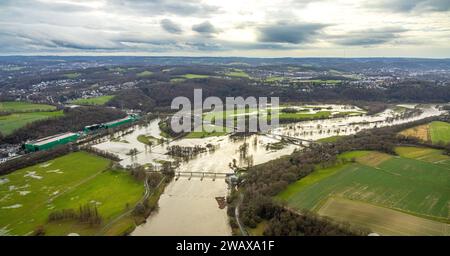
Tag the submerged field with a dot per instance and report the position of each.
(414, 185)
(29, 195)
(14, 121)
(101, 100)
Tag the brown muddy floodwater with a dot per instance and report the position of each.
(188, 206)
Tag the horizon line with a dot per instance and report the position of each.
(245, 57)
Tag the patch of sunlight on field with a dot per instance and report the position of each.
(381, 220)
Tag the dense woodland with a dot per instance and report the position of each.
(132, 99)
(161, 94)
(262, 182)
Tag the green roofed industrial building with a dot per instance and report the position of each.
(116, 123)
(51, 141)
(129, 119)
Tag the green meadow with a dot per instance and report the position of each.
(29, 195)
(208, 131)
(238, 73)
(72, 75)
(145, 73)
(100, 100)
(411, 184)
(21, 106)
(14, 121)
(194, 76)
(440, 132)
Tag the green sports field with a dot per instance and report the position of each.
(409, 186)
(27, 196)
(14, 121)
(101, 100)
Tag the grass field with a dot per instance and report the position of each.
(72, 75)
(147, 139)
(436, 132)
(145, 74)
(299, 116)
(274, 78)
(318, 81)
(194, 76)
(20, 106)
(27, 196)
(420, 132)
(381, 220)
(177, 80)
(117, 69)
(410, 186)
(15, 121)
(238, 73)
(424, 154)
(219, 131)
(440, 132)
(101, 100)
(330, 139)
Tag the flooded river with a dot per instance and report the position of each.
(188, 205)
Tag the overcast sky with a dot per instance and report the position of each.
(262, 28)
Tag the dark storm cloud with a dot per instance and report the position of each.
(171, 26)
(205, 28)
(185, 7)
(369, 37)
(293, 33)
(413, 5)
